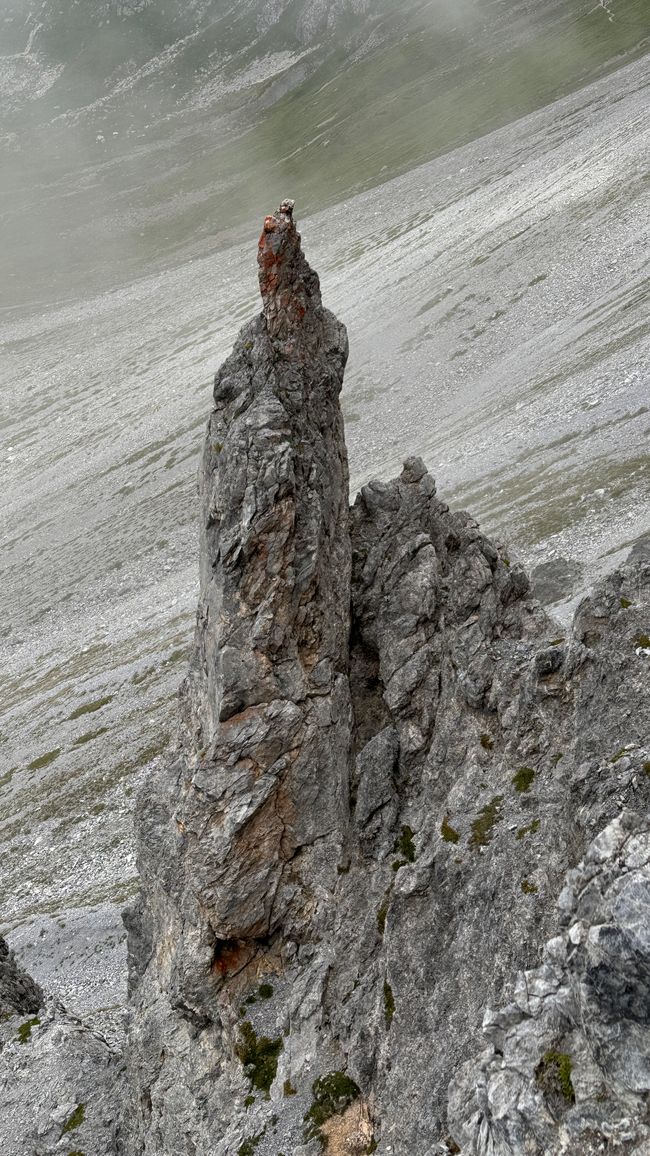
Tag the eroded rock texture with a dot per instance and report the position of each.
(57, 1077)
(19, 994)
(242, 837)
(388, 760)
(568, 1067)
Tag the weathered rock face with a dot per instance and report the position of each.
(241, 840)
(59, 1086)
(568, 1067)
(388, 760)
(57, 1077)
(19, 993)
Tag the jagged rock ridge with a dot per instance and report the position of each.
(388, 760)
(58, 1078)
(19, 994)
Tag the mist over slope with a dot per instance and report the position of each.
(138, 134)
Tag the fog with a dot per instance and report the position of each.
(138, 135)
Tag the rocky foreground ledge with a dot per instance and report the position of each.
(389, 759)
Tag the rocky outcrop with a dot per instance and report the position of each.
(241, 838)
(19, 994)
(58, 1079)
(388, 760)
(568, 1066)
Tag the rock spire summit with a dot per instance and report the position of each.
(289, 286)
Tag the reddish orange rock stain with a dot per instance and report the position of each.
(230, 956)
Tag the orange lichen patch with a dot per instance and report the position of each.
(231, 955)
(350, 1134)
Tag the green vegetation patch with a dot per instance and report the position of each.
(265, 991)
(553, 1074)
(89, 736)
(382, 914)
(389, 1003)
(643, 640)
(484, 824)
(529, 829)
(405, 844)
(249, 1146)
(529, 888)
(44, 760)
(249, 1101)
(646, 768)
(625, 603)
(333, 1095)
(487, 742)
(621, 754)
(8, 776)
(90, 707)
(259, 1056)
(151, 752)
(449, 833)
(75, 1119)
(25, 1030)
(288, 1089)
(523, 779)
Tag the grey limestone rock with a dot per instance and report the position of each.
(58, 1086)
(58, 1078)
(241, 837)
(18, 991)
(567, 1069)
(389, 757)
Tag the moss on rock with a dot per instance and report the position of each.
(449, 833)
(259, 1056)
(529, 829)
(405, 844)
(523, 779)
(75, 1119)
(25, 1030)
(333, 1094)
(249, 1146)
(389, 1003)
(553, 1074)
(487, 819)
